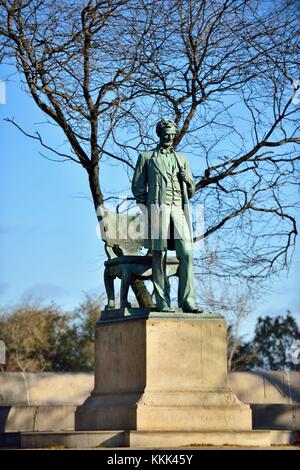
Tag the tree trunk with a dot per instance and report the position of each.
(142, 294)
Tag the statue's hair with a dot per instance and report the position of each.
(165, 123)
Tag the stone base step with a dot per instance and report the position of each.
(284, 438)
(164, 439)
(147, 439)
(72, 440)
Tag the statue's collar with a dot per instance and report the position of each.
(160, 149)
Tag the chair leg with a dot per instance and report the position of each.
(110, 289)
(125, 283)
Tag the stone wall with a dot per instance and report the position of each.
(44, 388)
(47, 401)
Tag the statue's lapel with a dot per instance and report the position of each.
(158, 162)
(180, 160)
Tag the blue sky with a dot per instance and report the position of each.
(48, 244)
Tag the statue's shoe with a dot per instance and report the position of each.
(125, 305)
(165, 308)
(193, 310)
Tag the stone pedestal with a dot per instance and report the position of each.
(161, 372)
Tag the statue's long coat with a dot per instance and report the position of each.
(149, 187)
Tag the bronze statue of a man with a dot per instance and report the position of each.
(162, 183)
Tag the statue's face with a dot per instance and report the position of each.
(166, 138)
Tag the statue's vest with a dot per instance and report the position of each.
(173, 193)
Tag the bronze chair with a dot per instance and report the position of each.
(123, 235)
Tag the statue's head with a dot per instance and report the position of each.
(166, 131)
(166, 126)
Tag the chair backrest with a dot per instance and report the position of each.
(123, 234)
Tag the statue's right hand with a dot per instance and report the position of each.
(183, 175)
(142, 206)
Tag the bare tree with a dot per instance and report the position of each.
(227, 71)
(73, 62)
(233, 300)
